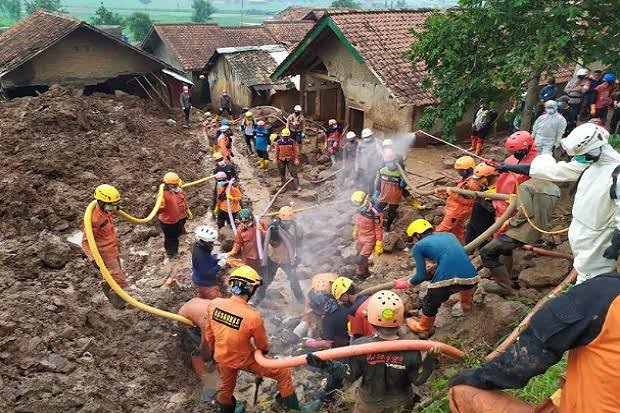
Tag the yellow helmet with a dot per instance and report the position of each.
(171, 178)
(358, 198)
(249, 115)
(285, 132)
(107, 193)
(217, 155)
(247, 275)
(286, 213)
(465, 162)
(419, 226)
(340, 286)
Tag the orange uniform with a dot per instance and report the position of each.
(231, 323)
(235, 202)
(246, 242)
(107, 244)
(358, 322)
(223, 143)
(173, 208)
(458, 210)
(286, 150)
(369, 223)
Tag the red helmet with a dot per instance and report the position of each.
(518, 141)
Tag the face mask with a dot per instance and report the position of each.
(463, 172)
(110, 207)
(390, 165)
(222, 183)
(368, 139)
(550, 111)
(581, 159)
(222, 163)
(176, 189)
(297, 113)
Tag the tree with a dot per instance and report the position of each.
(345, 4)
(145, 2)
(491, 48)
(139, 24)
(51, 5)
(203, 9)
(104, 16)
(11, 9)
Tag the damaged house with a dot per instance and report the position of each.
(47, 48)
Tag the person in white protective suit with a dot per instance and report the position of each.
(594, 232)
(549, 128)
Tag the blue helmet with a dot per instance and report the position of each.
(609, 77)
(224, 121)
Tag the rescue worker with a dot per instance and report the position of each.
(576, 89)
(344, 292)
(604, 92)
(458, 208)
(173, 213)
(483, 213)
(186, 105)
(367, 232)
(594, 235)
(248, 128)
(388, 145)
(368, 160)
(226, 198)
(246, 240)
(537, 199)
(195, 310)
(320, 283)
(584, 321)
(568, 113)
(390, 188)
(333, 135)
(225, 104)
(104, 231)
(224, 165)
(206, 265)
(287, 157)
(209, 126)
(232, 331)
(549, 128)
(349, 152)
(296, 124)
(334, 319)
(386, 377)
(453, 273)
(481, 125)
(549, 91)
(280, 251)
(224, 142)
(262, 144)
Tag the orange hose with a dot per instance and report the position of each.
(547, 253)
(358, 350)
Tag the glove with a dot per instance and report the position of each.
(229, 197)
(519, 169)
(223, 256)
(402, 284)
(216, 211)
(314, 361)
(315, 344)
(221, 263)
(613, 251)
(379, 247)
(355, 231)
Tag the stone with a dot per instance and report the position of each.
(555, 270)
(448, 163)
(227, 238)
(324, 175)
(392, 241)
(55, 252)
(120, 93)
(171, 122)
(348, 254)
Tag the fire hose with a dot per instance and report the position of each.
(358, 350)
(90, 237)
(324, 204)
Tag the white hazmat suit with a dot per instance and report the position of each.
(548, 129)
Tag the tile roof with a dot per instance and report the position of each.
(31, 35)
(254, 67)
(194, 44)
(382, 38)
(292, 13)
(289, 33)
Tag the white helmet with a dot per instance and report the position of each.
(582, 72)
(585, 138)
(387, 142)
(366, 133)
(351, 136)
(206, 233)
(224, 128)
(297, 108)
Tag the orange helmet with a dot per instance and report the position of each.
(171, 178)
(323, 282)
(465, 162)
(483, 170)
(385, 309)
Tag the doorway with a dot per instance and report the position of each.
(356, 120)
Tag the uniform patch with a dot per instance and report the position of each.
(228, 319)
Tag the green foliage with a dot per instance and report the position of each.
(139, 24)
(490, 46)
(345, 4)
(541, 387)
(202, 10)
(104, 16)
(51, 5)
(11, 9)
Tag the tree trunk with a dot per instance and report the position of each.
(531, 99)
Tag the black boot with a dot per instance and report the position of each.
(116, 301)
(292, 403)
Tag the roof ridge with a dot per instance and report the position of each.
(188, 24)
(266, 22)
(383, 11)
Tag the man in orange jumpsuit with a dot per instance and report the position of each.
(390, 188)
(585, 321)
(287, 157)
(104, 231)
(227, 197)
(458, 207)
(246, 240)
(368, 231)
(230, 328)
(344, 292)
(224, 142)
(173, 212)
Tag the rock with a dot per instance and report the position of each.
(57, 363)
(120, 93)
(55, 253)
(227, 238)
(457, 311)
(392, 241)
(323, 175)
(171, 122)
(323, 159)
(448, 163)
(348, 254)
(555, 270)
(307, 195)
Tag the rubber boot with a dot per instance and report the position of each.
(232, 408)
(292, 403)
(479, 145)
(474, 141)
(467, 299)
(116, 301)
(502, 284)
(422, 328)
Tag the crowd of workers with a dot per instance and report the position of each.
(584, 320)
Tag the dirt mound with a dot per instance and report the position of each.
(62, 347)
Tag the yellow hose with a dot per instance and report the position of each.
(324, 204)
(151, 216)
(198, 182)
(90, 237)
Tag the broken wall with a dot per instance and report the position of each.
(222, 77)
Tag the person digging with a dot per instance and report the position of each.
(367, 232)
(246, 240)
(206, 265)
